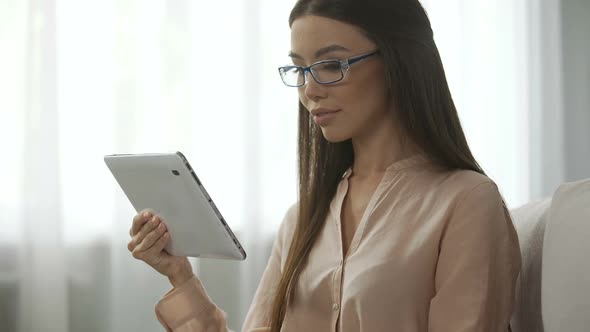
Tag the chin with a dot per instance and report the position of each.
(335, 136)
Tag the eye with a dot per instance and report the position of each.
(329, 66)
(292, 70)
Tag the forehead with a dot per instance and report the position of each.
(311, 33)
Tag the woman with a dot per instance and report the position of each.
(397, 227)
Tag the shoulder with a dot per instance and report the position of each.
(439, 180)
(290, 219)
(450, 189)
(287, 227)
(464, 183)
(475, 197)
(474, 208)
(467, 179)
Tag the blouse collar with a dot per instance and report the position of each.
(411, 161)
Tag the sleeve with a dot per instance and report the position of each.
(479, 261)
(188, 308)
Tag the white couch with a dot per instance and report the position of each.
(553, 289)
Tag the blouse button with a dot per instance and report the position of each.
(335, 307)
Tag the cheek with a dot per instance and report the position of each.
(365, 98)
(373, 93)
(366, 94)
(367, 86)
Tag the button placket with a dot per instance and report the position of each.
(337, 294)
(337, 287)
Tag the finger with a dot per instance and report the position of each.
(151, 238)
(153, 254)
(162, 242)
(141, 218)
(144, 231)
(138, 221)
(158, 247)
(131, 245)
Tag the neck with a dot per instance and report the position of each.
(378, 149)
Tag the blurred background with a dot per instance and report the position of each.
(80, 79)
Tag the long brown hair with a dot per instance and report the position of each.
(416, 84)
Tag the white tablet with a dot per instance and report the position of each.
(167, 184)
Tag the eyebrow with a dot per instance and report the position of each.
(321, 51)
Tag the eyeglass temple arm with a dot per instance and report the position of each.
(361, 57)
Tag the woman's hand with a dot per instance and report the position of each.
(148, 239)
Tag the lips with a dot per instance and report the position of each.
(322, 111)
(323, 116)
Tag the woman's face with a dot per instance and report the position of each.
(359, 100)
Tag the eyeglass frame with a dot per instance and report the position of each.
(344, 67)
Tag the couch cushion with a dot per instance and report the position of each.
(566, 260)
(529, 221)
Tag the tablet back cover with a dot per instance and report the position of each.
(164, 183)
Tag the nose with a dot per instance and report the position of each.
(312, 89)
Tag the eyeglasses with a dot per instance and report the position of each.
(323, 72)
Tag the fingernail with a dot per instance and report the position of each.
(145, 214)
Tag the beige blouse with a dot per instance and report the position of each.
(434, 251)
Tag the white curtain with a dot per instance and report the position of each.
(81, 79)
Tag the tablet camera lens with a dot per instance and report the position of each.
(175, 172)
